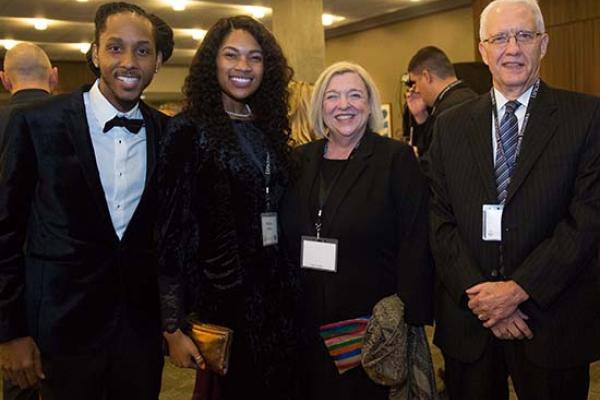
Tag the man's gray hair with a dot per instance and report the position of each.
(531, 4)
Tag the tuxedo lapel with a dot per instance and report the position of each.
(151, 125)
(480, 140)
(78, 130)
(356, 165)
(540, 128)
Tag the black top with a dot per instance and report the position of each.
(212, 260)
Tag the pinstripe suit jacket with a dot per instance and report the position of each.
(551, 226)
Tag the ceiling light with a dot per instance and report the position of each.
(198, 34)
(40, 24)
(257, 12)
(83, 47)
(178, 5)
(330, 19)
(8, 43)
(82, 1)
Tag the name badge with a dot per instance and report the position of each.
(268, 222)
(319, 253)
(492, 222)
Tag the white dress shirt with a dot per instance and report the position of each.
(501, 107)
(120, 157)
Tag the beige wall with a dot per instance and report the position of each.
(385, 51)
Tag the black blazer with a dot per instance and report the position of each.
(422, 134)
(551, 226)
(19, 99)
(378, 212)
(75, 278)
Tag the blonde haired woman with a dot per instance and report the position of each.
(363, 198)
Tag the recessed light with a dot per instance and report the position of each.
(330, 19)
(257, 12)
(40, 24)
(82, 1)
(8, 43)
(178, 5)
(198, 34)
(83, 47)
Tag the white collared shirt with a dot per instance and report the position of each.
(120, 157)
(501, 107)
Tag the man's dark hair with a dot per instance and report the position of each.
(163, 34)
(433, 59)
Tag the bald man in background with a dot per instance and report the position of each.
(29, 77)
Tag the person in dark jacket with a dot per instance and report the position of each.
(433, 88)
(30, 78)
(78, 276)
(223, 166)
(355, 224)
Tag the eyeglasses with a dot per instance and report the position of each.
(521, 37)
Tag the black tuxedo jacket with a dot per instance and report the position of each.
(550, 226)
(378, 212)
(65, 277)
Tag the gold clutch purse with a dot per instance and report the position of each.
(214, 343)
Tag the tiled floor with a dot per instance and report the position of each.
(178, 384)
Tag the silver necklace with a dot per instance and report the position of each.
(235, 115)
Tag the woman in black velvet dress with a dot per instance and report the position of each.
(224, 161)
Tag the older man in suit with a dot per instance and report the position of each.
(29, 76)
(78, 289)
(515, 212)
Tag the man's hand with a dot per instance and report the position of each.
(416, 106)
(513, 327)
(493, 301)
(183, 353)
(20, 362)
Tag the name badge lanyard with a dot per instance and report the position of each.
(510, 164)
(325, 192)
(443, 94)
(266, 172)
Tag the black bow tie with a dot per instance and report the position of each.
(132, 125)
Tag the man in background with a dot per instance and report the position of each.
(28, 76)
(433, 88)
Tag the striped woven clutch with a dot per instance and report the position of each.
(344, 340)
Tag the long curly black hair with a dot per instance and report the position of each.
(269, 104)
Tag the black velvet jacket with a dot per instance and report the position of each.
(212, 261)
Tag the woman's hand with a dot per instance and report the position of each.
(183, 353)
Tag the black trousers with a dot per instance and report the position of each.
(128, 367)
(487, 378)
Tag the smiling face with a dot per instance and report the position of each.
(514, 66)
(239, 69)
(127, 59)
(346, 106)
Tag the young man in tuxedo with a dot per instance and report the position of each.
(79, 311)
(515, 217)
